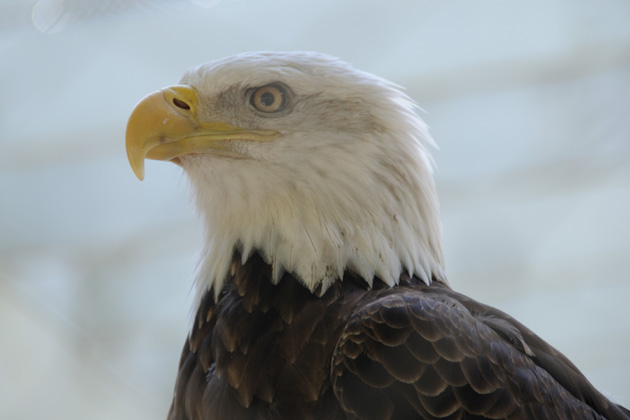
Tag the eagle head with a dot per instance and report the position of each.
(318, 167)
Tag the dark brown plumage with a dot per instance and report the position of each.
(413, 351)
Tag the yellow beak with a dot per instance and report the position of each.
(165, 125)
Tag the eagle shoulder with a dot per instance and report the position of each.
(428, 352)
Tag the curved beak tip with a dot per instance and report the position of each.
(139, 172)
(136, 160)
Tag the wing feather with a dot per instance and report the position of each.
(432, 353)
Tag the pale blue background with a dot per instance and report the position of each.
(528, 101)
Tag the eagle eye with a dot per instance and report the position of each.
(269, 98)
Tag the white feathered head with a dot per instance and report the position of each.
(318, 167)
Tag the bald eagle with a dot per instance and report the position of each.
(322, 292)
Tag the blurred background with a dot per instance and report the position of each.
(528, 101)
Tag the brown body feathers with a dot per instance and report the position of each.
(413, 351)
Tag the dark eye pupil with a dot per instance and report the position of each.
(267, 99)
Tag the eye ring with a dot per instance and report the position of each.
(269, 98)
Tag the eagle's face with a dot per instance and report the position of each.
(298, 156)
(304, 107)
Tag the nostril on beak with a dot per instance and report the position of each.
(180, 104)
